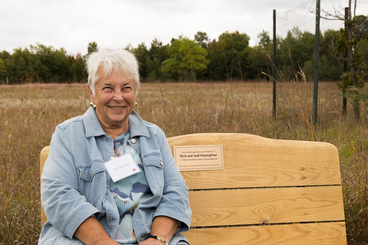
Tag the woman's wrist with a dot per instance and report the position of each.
(164, 227)
(92, 232)
(157, 238)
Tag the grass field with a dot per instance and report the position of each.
(29, 114)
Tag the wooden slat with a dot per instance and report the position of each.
(253, 161)
(295, 234)
(271, 205)
(43, 156)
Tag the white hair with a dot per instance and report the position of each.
(109, 60)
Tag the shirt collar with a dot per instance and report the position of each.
(94, 129)
(137, 126)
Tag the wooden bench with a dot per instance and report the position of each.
(269, 192)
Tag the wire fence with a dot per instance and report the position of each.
(303, 16)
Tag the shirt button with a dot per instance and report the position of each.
(133, 141)
(161, 163)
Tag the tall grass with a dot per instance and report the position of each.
(29, 114)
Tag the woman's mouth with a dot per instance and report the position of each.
(117, 107)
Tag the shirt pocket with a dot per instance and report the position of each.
(154, 169)
(92, 183)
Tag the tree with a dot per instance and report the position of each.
(202, 39)
(42, 56)
(329, 67)
(78, 69)
(157, 54)
(185, 54)
(217, 68)
(141, 53)
(294, 51)
(364, 51)
(229, 56)
(3, 71)
(264, 40)
(237, 53)
(362, 27)
(92, 47)
(60, 68)
(260, 56)
(354, 78)
(9, 67)
(349, 42)
(259, 62)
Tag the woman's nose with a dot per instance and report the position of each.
(118, 95)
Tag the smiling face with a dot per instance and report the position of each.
(114, 99)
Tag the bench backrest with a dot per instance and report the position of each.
(269, 192)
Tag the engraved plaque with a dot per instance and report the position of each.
(199, 157)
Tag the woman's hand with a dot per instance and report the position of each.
(108, 242)
(163, 227)
(151, 241)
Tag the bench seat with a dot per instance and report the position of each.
(270, 191)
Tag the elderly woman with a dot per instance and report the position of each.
(110, 177)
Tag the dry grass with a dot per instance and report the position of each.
(29, 114)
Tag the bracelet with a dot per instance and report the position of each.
(157, 238)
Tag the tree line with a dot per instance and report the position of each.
(226, 58)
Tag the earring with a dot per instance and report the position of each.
(135, 104)
(92, 104)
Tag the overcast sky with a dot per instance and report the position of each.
(113, 24)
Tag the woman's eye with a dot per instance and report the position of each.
(127, 89)
(107, 89)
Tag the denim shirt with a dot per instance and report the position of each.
(75, 183)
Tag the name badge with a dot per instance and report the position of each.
(121, 167)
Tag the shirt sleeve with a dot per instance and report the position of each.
(63, 204)
(175, 193)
